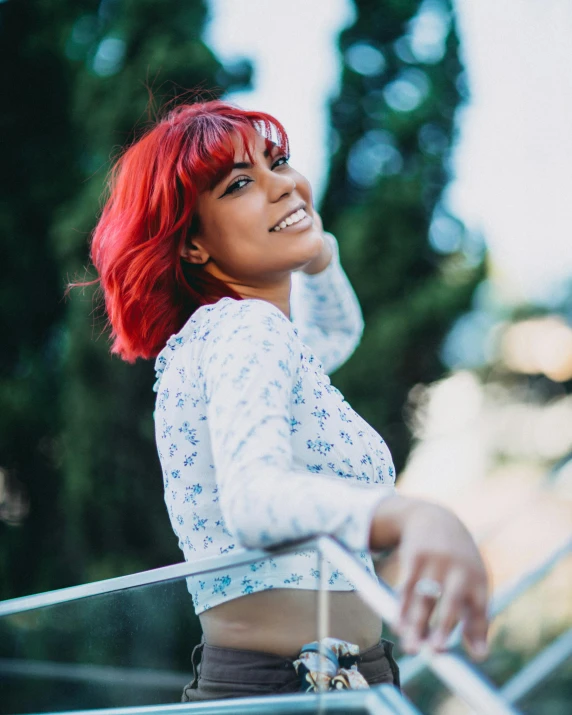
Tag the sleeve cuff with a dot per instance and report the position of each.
(355, 531)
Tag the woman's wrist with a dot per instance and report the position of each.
(389, 519)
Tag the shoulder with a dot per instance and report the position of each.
(252, 324)
(253, 341)
(251, 319)
(251, 307)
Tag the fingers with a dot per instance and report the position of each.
(416, 626)
(462, 598)
(451, 607)
(416, 609)
(477, 623)
(411, 570)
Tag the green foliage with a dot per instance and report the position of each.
(76, 424)
(392, 132)
(39, 173)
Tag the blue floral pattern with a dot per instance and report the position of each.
(257, 447)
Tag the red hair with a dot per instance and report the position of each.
(149, 291)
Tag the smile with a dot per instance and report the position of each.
(291, 220)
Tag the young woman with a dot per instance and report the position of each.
(208, 238)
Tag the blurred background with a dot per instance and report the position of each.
(436, 135)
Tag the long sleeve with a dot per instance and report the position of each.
(326, 312)
(251, 366)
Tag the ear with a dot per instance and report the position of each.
(193, 252)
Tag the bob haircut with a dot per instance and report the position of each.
(149, 291)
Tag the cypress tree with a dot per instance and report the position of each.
(77, 427)
(412, 263)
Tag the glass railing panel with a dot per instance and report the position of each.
(133, 646)
(125, 648)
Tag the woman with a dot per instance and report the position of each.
(204, 229)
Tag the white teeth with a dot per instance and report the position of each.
(293, 218)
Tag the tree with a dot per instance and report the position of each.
(77, 424)
(392, 133)
(40, 173)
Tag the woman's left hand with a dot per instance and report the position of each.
(436, 553)
(322, 260)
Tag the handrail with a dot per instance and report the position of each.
(163, 574)
(539, 668)
(89, 673)
(377, 700)
(458, 675)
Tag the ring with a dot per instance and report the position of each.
(428, 587)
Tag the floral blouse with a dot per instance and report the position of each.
(257, 447)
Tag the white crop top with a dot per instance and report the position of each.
(257, 447)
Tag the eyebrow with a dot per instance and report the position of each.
(246, 164)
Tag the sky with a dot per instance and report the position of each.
(297, 66)
(512, 162)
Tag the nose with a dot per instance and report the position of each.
(281, 184)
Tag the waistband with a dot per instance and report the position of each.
(233, 665)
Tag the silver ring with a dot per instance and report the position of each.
(428, 587)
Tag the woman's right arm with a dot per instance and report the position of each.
(434, 544)
(251, 368)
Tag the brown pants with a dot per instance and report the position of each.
(233, 673)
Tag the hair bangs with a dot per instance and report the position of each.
(213, 153)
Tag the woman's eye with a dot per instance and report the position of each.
(235, 186)
(282, 158)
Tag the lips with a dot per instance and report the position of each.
(289, 213)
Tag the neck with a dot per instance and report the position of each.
(276, 292)
(278, 295)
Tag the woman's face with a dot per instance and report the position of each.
(237, 241)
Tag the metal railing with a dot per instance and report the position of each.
(539, 668)
(459, 676)
(378, 700)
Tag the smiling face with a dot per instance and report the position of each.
(236, 241)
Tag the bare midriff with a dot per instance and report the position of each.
(281, 620)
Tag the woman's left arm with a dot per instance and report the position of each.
(325, 309)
